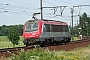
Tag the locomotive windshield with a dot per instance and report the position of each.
(30, 27)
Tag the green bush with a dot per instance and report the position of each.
(13, 36)
(35, 54)
(40, 54)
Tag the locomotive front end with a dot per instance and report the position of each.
(31, 32)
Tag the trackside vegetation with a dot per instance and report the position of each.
(13, 36)
(5, 43)
(40, 54)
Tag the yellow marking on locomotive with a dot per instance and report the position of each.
(58, 34)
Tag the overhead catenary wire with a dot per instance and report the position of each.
(27, 10)
(9, 7)
(58, 18)
(15, 9)
(51, 14)
(15, 6)
(47, 14)
(24, 3)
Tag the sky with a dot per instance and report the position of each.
(14, 12)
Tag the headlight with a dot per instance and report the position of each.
(37, 35)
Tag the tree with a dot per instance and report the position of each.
(4, 31)
(19, 29)
(13, 36)
(84, 24)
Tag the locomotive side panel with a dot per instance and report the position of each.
(57, 32)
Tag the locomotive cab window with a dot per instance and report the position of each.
(35, 27)
(30, 27)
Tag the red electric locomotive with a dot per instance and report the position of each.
(45, 32)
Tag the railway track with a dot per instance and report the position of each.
(7, 51)
(15, 49)
(30, 47)
(79, 41)
(70, 46)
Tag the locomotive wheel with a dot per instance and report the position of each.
(49, 42)
(41, 44)
(27, 44)
(52, 41)
(61, 42)
(65, 40)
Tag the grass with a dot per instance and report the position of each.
(75, 38)
(5, 43)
